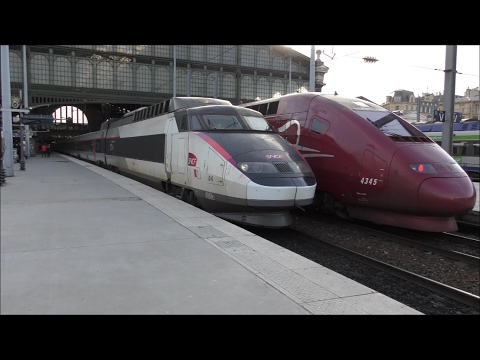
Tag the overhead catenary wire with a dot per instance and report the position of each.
(373, 59)
(367, 59)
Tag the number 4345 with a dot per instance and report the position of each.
(368, 181)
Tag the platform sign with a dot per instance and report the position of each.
(440, 116)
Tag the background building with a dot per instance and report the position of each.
(421, 108)
(468, 105)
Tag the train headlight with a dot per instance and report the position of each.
(300, 167)
(423, 168)
(257, 167)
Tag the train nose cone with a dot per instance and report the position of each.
(446, 196)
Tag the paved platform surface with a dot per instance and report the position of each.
(79, 239)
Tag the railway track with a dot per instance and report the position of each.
(470, 220)
(312, 237)
(464, 240)
(446, 290)
(458, 255)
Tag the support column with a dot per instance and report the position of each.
(320, 71)
(449, 97)
(7, 161)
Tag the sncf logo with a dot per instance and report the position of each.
(269, 156)
(192, 159)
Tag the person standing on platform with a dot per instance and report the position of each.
(49, 150)
(44, 150)
(19, 149)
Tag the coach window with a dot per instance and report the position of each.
(476, 149)
(184, 123)
(318, 127)
(459, 149)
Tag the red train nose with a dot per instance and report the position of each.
(446, 196)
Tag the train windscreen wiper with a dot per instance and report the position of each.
(211, 125)
(384, 120)
(373, 123)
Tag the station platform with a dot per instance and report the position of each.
(79, 239)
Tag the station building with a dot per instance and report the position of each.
(105, 81)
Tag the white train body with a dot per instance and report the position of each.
(246, 174)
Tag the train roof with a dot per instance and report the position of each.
(177, 103)
(223, 109)
(354, 103)
(299, 106)
(167, 106)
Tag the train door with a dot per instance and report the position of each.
(168, 146)
(100, 149)
(370, 187)
(215, 168)
(317, 149)
(179, 158)
(177, 154)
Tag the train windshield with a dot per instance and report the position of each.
(257, 123)
(385, 121)
(223, 118)
(229, 122)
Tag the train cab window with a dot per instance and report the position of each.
(257, 123)
(222, 122)
(195, 123)
(385, 121)
(318, 127)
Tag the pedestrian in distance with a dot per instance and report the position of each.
(49, 150)
(44, 150)
(19, 148)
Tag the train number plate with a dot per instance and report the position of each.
(368, 181)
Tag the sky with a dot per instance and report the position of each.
(407, 67)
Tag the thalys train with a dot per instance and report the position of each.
(222, 158)
(465, 144)
(371, 164)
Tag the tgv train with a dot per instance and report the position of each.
(371, 164)
(222, 158)
(465, 144)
